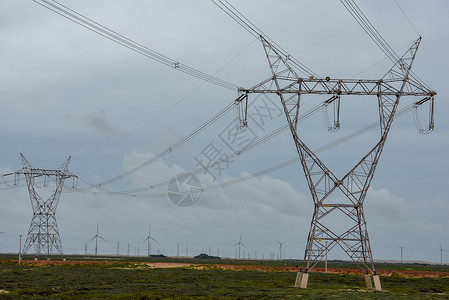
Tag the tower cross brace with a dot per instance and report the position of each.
(322, 182)
(43, 232)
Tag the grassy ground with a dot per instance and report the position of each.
(126, 280)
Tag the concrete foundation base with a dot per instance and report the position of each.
(301, 280)
(377, 285)
(368, 281)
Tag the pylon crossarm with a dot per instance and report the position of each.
(342, 87)
(32, 172)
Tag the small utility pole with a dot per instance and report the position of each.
(20, 248)
(325, 265)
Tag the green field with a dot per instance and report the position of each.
(124, 279)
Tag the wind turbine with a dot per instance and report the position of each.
(96, 240)
(149, 238)
(280, 249)
(441, 252)
(402, 250)
(240, 243)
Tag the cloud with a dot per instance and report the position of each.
(100, 124)
(390, 207)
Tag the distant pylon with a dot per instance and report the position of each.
(43, 233)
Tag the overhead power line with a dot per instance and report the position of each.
(238, 17)
(374, 35)
(289, 162)
(171, 148)
(99, 29)
(408, 20)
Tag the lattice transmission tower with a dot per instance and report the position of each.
(322, 182)
(43, 233)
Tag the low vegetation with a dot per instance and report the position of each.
(120, 278)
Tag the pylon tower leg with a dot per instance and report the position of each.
(354, 240)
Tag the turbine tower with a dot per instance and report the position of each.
(43, 233)
(96, 236)
(148, 239)
(441, 252)
(280, 249)
(239, 243)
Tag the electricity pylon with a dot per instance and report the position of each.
(43, 233)
(322, 182)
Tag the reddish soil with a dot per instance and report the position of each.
(402, 273)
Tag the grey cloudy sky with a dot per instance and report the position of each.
(67, 91)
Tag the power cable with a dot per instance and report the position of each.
(99, 29)
(166, 110)
(375, 36)
(231, 11)
(132, 193)
(410, 22)
(171, 148)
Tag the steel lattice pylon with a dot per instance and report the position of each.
(289, 86)
(43, 232)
